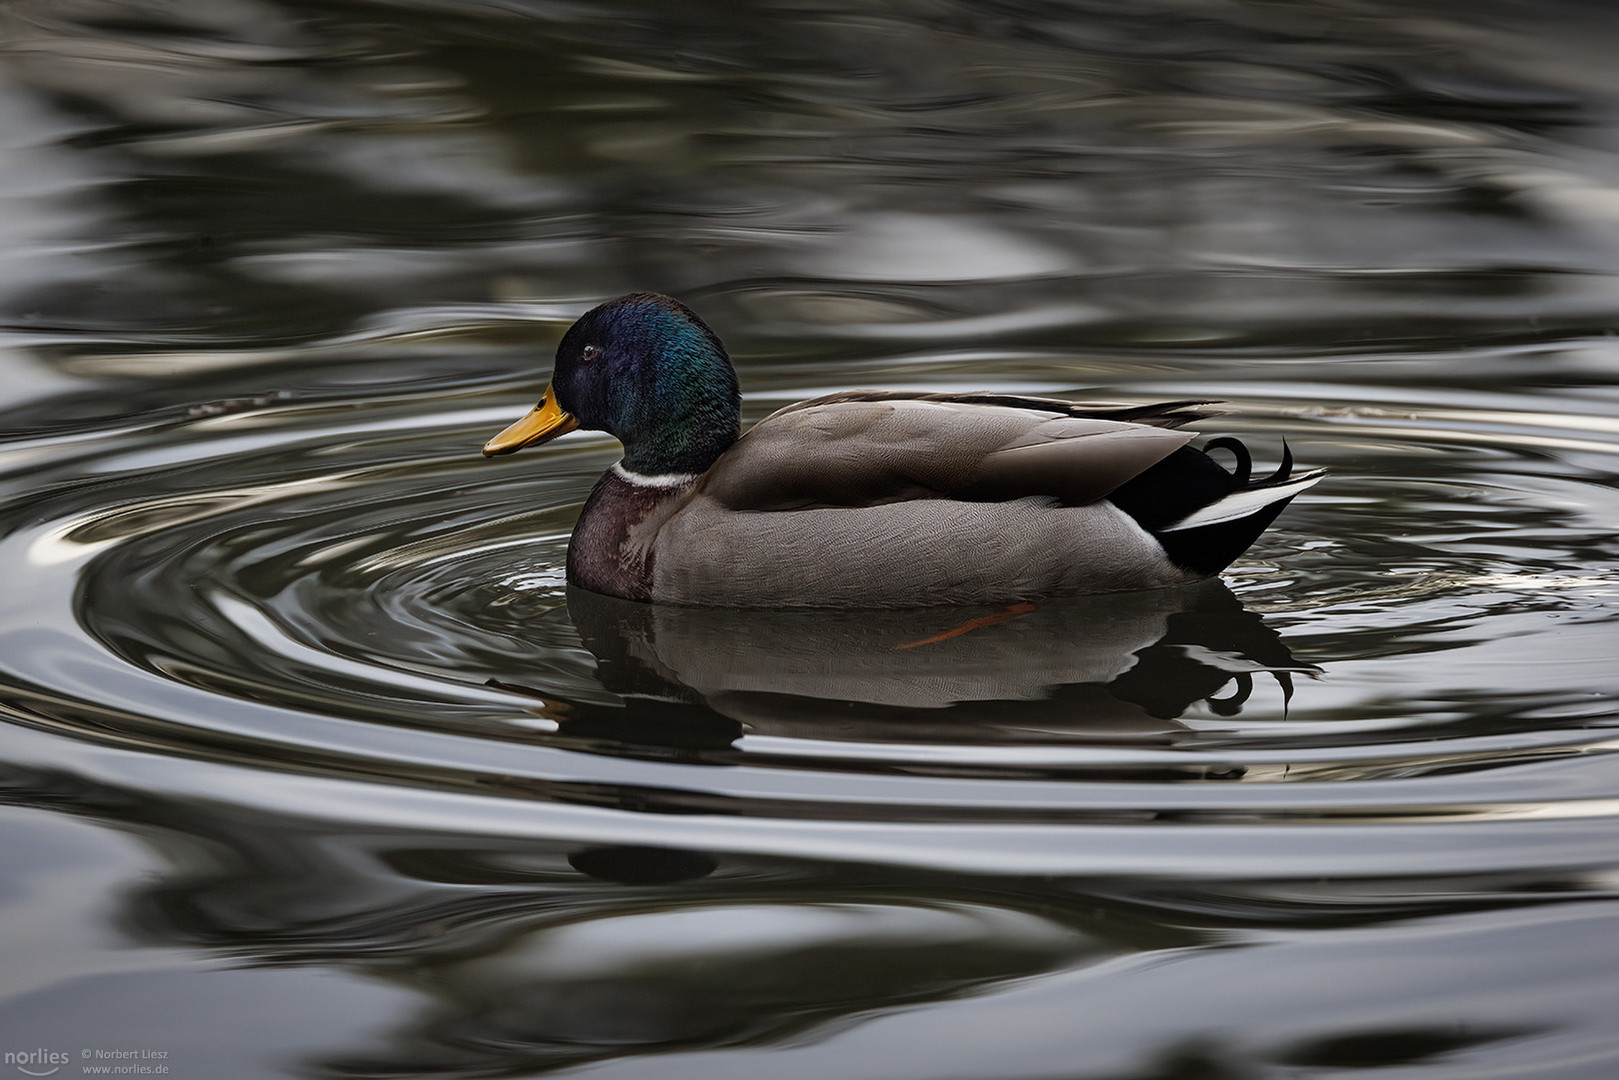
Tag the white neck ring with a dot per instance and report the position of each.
(661, 480)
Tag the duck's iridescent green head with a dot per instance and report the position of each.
(648, 371)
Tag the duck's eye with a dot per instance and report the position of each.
(588, 352)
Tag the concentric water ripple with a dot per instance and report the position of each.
(305, 590)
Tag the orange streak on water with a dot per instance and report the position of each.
(1010, 611)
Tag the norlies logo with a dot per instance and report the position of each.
(37, 1062)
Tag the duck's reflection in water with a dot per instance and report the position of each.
(1110, 668)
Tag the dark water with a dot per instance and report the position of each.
(311, 766)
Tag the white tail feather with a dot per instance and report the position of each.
(1241, 504)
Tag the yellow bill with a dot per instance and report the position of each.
(543, 423)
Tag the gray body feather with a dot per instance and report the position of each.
(925, 551)
(852, 502)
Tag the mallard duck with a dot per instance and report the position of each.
(874, 498)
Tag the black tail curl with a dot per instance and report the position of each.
(1189, 480)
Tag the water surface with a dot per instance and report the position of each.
(312, 766)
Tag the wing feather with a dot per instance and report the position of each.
(871, 448)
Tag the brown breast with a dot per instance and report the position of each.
(612, 549)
